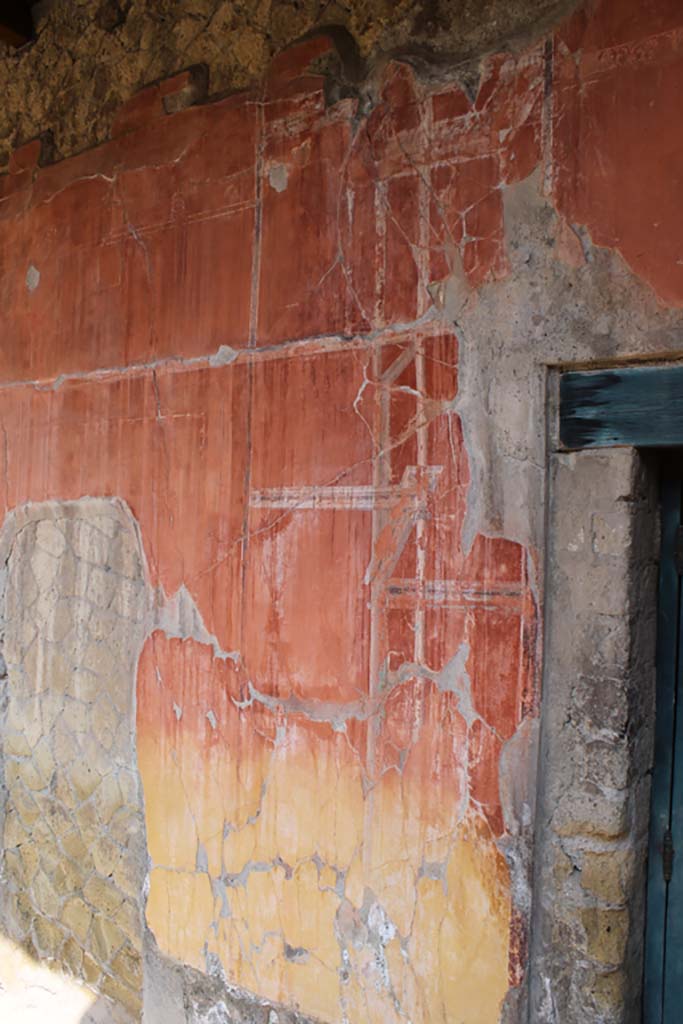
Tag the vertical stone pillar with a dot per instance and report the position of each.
(596, 739)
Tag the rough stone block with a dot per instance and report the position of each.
(16, 744)
(77, 917)
(75, 847)
(127, 965)
(591, 814)
(105, 854)
(604, 874)
(121, 993)
(46, 896)
(606, 934)
(105, 938)
(71, 957)
(48, 937)
(84, 780)
(50, 538)
(102, 895)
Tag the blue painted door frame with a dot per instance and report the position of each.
(663, 989)
(639, 406)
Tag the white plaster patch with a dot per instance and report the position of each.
(380, 923)
(32, 278)
(278, 176)
(217, 1014)
(454, 678)
(223, 356)
(179, 617)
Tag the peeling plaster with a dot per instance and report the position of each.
(179, 617)
(278, 176)
(544, 313)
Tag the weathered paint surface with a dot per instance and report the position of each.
(323, 795)
(229, 317)
(618, 75)
(635, 406)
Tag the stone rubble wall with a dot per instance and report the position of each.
(74, 851)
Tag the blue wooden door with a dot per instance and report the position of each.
(663, 1002)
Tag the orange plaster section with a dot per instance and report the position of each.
(292, 853)
(323, 803)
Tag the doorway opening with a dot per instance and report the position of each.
(663, 979)
(598, 951)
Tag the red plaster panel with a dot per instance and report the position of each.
(484, 754)
(301, 280)
(337, 229)
(496, 668)
(609, 23)
(306, 428)
(307, 626)
(405, 249)
(618, 87)
(115, 232)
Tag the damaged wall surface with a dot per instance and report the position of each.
(89, 56)
(272, 416)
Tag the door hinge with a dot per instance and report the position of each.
(678, 550)
(668, 854)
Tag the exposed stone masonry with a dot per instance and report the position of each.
(74, 846)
